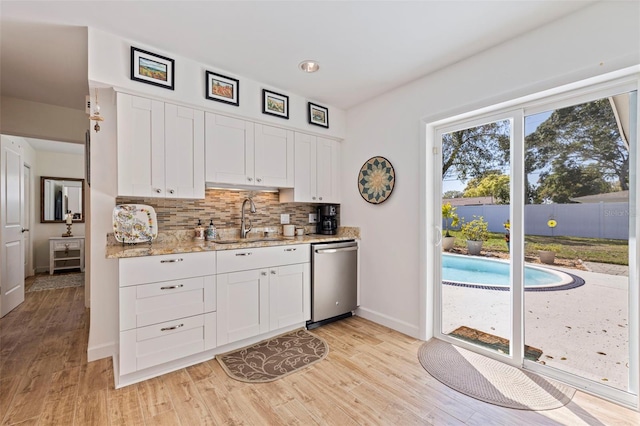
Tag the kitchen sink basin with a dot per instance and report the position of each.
(249, 240)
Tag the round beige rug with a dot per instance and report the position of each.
(489, 380)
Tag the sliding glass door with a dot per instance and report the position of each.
(549, 193)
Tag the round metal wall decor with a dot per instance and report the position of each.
(376, 180)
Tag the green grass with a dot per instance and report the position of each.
(573, 248)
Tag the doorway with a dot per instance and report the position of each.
(559, 176)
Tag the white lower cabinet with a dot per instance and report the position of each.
(164, 321)
(269, 289)
(175, 310)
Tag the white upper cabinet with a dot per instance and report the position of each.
(239, 152)
(160, 149)
(315, 171)
(229, 150)
(273, 156)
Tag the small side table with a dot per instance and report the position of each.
(66, 253)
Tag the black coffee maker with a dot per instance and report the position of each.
(327, 220)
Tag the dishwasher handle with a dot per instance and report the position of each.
(336, 250)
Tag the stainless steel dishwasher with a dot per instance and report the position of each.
(334, 281)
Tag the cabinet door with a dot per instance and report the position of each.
(141, 156)
(184, 149)
(273, 156)
(328, 163)
(289, 295)
(229, 150)
(305, 168)
(243, 309)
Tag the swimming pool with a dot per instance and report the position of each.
(468, 271)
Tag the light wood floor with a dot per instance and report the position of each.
(371, 376)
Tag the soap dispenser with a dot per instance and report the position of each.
(199, 231)
(211, 232)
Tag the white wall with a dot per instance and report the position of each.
(52, 164)
(596, 40)
(42, 121)
(102, 272)
(109, 65)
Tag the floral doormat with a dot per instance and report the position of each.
(274, 358)
(53, 282)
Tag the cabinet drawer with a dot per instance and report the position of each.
(155, 303)
(66, 245)
(263, 257)
(149, 269)
(149, 346)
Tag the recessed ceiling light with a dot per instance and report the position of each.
(309, 66)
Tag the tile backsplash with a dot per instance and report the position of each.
(223, 206)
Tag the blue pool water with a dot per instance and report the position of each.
(489, 272)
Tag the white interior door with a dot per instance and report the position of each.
(26, 222)
(11, 247)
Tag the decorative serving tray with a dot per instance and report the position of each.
(134, 223)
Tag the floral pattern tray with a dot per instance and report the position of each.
(134, 223)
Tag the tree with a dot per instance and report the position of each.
(470, 153)
(569, 181)
(494, 185)
(453, 194)
(584, 137)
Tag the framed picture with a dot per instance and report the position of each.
(223, 89)
(275, 104)
(153, 69)
(318, 115)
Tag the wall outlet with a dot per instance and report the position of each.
(284, 218)
(313, 218)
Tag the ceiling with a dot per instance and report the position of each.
(364, 48)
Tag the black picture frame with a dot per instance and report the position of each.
(151, 68)
(318, 115)
(275, 104)
(222, 84)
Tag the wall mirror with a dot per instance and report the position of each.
(59, 197)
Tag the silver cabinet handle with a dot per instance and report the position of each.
(329, 251)
(249, 179)
(264, 274)
(313, 198)
(244, 254)
(259, 180)
(171, 287)
(321, 198)
(171, 191)
(158, 191)
(171, 328)
(290, 249)
(273, 272)
(171, 260)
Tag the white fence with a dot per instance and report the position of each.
(593, 220)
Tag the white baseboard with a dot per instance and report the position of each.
(387, 321)
(103, 351)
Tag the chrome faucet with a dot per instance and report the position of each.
(243, 230)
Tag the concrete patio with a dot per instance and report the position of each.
(584, 330)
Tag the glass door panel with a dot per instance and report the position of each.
(576, 225)
(475, 286)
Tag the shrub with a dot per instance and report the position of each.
(450, 217)
(476, 230)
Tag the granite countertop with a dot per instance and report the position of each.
(182, 242)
